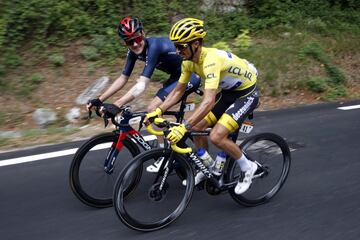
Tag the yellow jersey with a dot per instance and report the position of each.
(222, 69)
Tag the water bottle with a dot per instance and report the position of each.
(205, 157)
(219, 163)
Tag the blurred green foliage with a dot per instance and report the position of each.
(57, 59)
(45, 24)
(317, 84)
(222, 45)
(89, 53)
(29, 84)
(159, 76)
(334, 84)
(243, 41)
(53, 21)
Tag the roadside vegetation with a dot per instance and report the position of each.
(296, 45)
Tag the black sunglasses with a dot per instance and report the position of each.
(181, 46)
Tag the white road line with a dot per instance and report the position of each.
(61, 153)
(37, 157)
(349, 107)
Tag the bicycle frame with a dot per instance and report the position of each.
(218, 182)
(124, 129)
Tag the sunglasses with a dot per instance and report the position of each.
(136, 40)
(181, 46)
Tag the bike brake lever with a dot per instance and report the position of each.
(141, 123)
(106, 122)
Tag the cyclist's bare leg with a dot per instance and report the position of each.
(201, 142)
(156, 102)
(219, 137)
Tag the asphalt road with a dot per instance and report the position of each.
(320, 200)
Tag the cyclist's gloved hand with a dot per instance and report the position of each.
(109, 110)
(176, 133)
(156, 113)
(96, 102)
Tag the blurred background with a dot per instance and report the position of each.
(306, 51)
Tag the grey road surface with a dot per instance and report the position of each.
(320, 200)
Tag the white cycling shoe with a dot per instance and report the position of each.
(245, 179)
(154, 168)
(199, 177)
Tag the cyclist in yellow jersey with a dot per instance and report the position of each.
(224, 110)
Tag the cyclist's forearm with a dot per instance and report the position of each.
(200, 112)
(204, 108)
(124, 100)
(134, 92)
(173, 97)
(116, 86)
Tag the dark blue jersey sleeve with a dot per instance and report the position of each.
(130, 63)
(152, 58)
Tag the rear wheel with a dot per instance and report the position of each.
(272, 154)
(89, 180)
(158, 198)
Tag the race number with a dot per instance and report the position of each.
(246, 127)
(189, 107)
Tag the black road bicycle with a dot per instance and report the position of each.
(98, 162)
(157, 200)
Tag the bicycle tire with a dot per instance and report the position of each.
(246, 145)
(76, 183)
(120, 199)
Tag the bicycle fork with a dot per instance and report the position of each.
(113, 153)
(166, 167)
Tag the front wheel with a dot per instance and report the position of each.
(158, 198)
(91, 183)
(272, 154)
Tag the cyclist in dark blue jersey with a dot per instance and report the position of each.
(156, 52)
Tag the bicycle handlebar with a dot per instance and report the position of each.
(106, 121)
(151, 130)
(161, 122)
(181, 150)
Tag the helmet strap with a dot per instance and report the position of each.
(193, 51)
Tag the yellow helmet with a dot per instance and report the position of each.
(187, 30)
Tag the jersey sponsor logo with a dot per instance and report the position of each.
(248, 75)
(231, 106)
(235, 70)
(210, 65)
(236, 116)
(189, 86)
(238, 71)
(146, 60)
(210, 75)
(200, 165)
